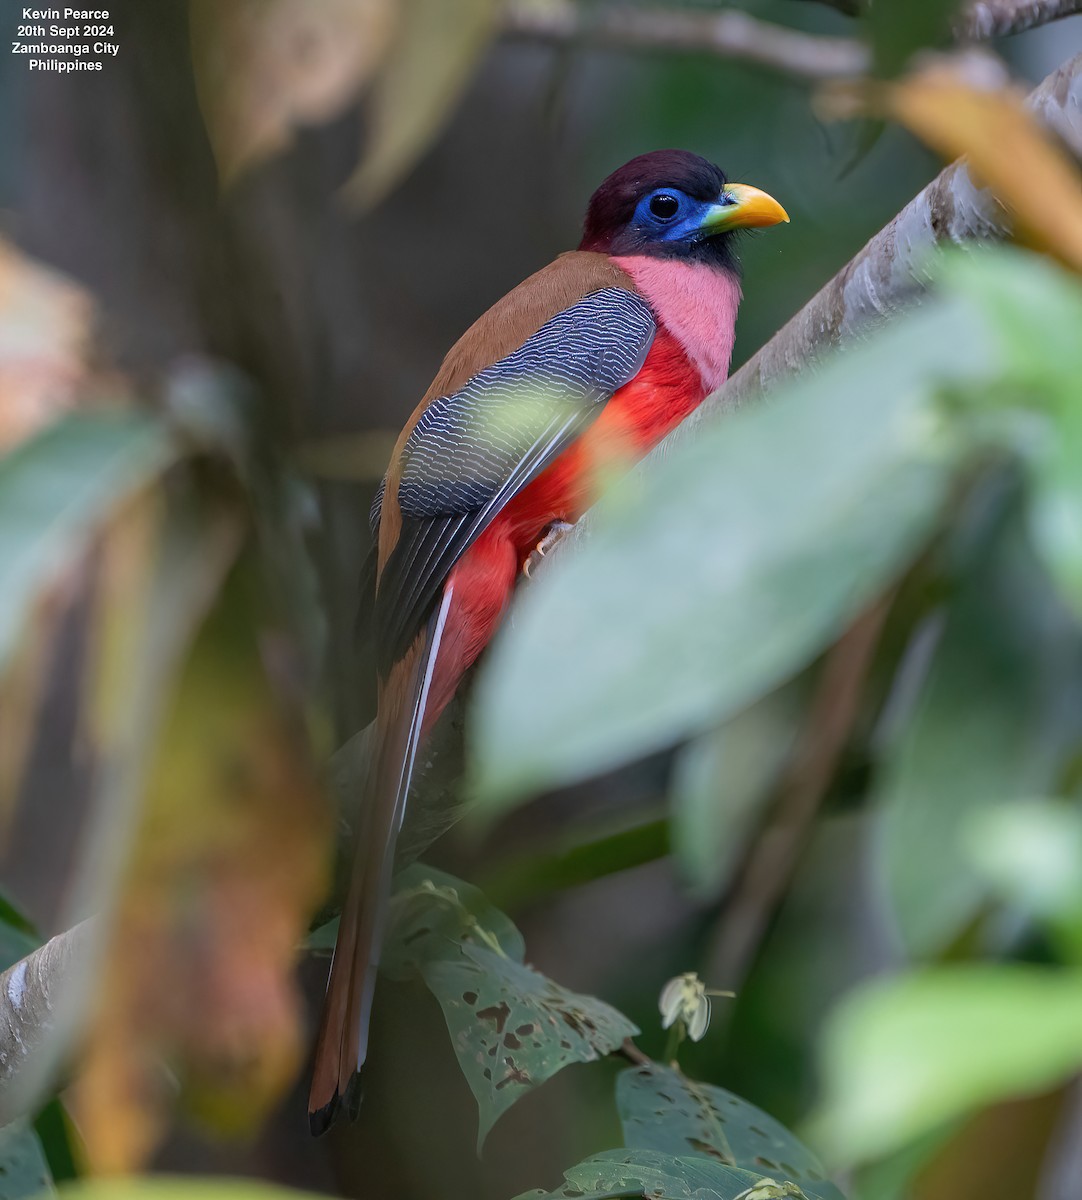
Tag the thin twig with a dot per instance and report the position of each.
(633, 1054)
(986, 19)
(767, 870)
(728, 34)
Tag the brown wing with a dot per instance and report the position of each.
(470, 450)
(495, 334)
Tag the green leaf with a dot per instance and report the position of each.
(1030, 854)
(23, 1170)
(430, 61)
(59, 1141)
(902, 1057)
(577, 857)
(142, 626)
(988, 728)
(638, 1174)
(15, 943)
(511, 1027)
(720, 782)
(898, 31)
(1036, 308)
(661, 1109)
(56, 488)
(728, 565)
(431, 909)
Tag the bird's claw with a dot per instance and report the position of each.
(553, 534)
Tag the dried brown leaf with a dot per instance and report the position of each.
(44, 330)
(433, 55)
(968, 109)
(266, 67)
(228, 863)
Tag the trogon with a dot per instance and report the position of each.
(578, 371)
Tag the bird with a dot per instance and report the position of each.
(572, 376)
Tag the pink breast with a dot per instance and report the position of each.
(696, 303)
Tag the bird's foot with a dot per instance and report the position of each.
(553, 534)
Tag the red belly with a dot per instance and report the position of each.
(639, 415)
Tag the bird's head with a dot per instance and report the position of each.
(674, 204)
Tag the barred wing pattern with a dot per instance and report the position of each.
(471, 451)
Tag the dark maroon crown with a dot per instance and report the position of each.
(612, 206)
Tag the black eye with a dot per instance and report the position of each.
(664, 207)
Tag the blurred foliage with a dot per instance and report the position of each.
(932, 471)
(964, 406)
(206, 850)
(265, 70)
(986, 119)
(23, 1169)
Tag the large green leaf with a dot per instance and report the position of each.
(989, 726)
(56, 488)
(648, 1175)
(661, 1109)
(511, 1027)
(729, 564)
(903, 1057)
(1036, 308)
(24, 1173)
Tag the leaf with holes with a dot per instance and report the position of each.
(512, 1028)
(661, 1109)
(431, 908)
(635, 1174)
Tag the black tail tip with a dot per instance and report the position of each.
(347, 1104)
(321, 1119)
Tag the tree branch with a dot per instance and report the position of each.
(30, 995)
(765, 875)
(891, 271)
(734, 35)
(728, 34)
(985, 19)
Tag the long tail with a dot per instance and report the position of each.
(342, 1045)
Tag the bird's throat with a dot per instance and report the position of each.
(697, 303)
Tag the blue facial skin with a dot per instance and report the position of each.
(669, 215)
